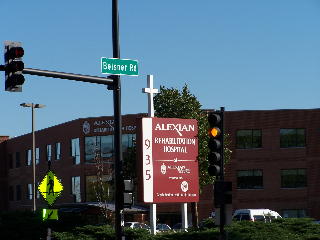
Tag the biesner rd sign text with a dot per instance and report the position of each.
(118, 66)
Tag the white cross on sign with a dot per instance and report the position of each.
(150, 91)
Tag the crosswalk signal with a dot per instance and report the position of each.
(215, 143)
(13, 53)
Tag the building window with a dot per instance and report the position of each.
(250, 179)
(58, 151)
(11, 193)
(17, 159)
(128, 141)
(37, 155)
(104, 145)
(249, 139)
(293, 178)
(98, 145)
(38, 192)
(104, 189)
(75, 150)
(294, 137)
(294, 213)
(18, 192)
(28, 157)
(75, 188)
(30, 193)
(10, 161)
(49, 154)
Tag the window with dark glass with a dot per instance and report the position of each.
(49, 153)
(98, 146)
(293, 178)
(249, 179)
(75, 188)
(38, 193)
(30, 192)
(128, 141)
(75, 150)
(11, 193)
(17, 159)
(294, 137)
(107, 146)
(57, 151)
(28, 157)
(103, 188)
(250, 138)
(18, 192)
(103, 146)
(37, 155)
(294, 213)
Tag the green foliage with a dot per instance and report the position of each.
(211, 234)
(207, 223)
(282, 229)
(21, 225)
(172, 103)
(27, 225)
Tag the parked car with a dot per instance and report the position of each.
(264, 215)
(178, 227)
(161, 227)
(136, 225)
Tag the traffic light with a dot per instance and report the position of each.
(128, 193)
(215, 143)
(13, 53)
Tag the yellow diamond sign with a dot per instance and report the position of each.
(50, 188)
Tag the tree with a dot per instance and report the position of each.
(172, 103)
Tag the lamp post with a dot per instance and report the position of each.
(33, 106)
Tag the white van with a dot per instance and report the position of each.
(264, 215)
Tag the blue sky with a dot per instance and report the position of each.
(242, 55)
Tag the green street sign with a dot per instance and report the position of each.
(116, 66)
(51, 214)
(50, 188)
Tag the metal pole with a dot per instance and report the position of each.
(70, 76)
(33, 158)
(118, 126)
(222, 207)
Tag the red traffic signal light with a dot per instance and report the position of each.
(13, 53)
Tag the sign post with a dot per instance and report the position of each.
(150, 91)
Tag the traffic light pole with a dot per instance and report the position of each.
(119, 185)
(223, 206)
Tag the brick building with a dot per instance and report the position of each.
(71, 147)
(275, 162)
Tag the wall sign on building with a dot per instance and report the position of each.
(169, 160)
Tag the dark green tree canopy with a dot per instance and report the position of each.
(172, 103)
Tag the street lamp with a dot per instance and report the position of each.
(33, 106)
